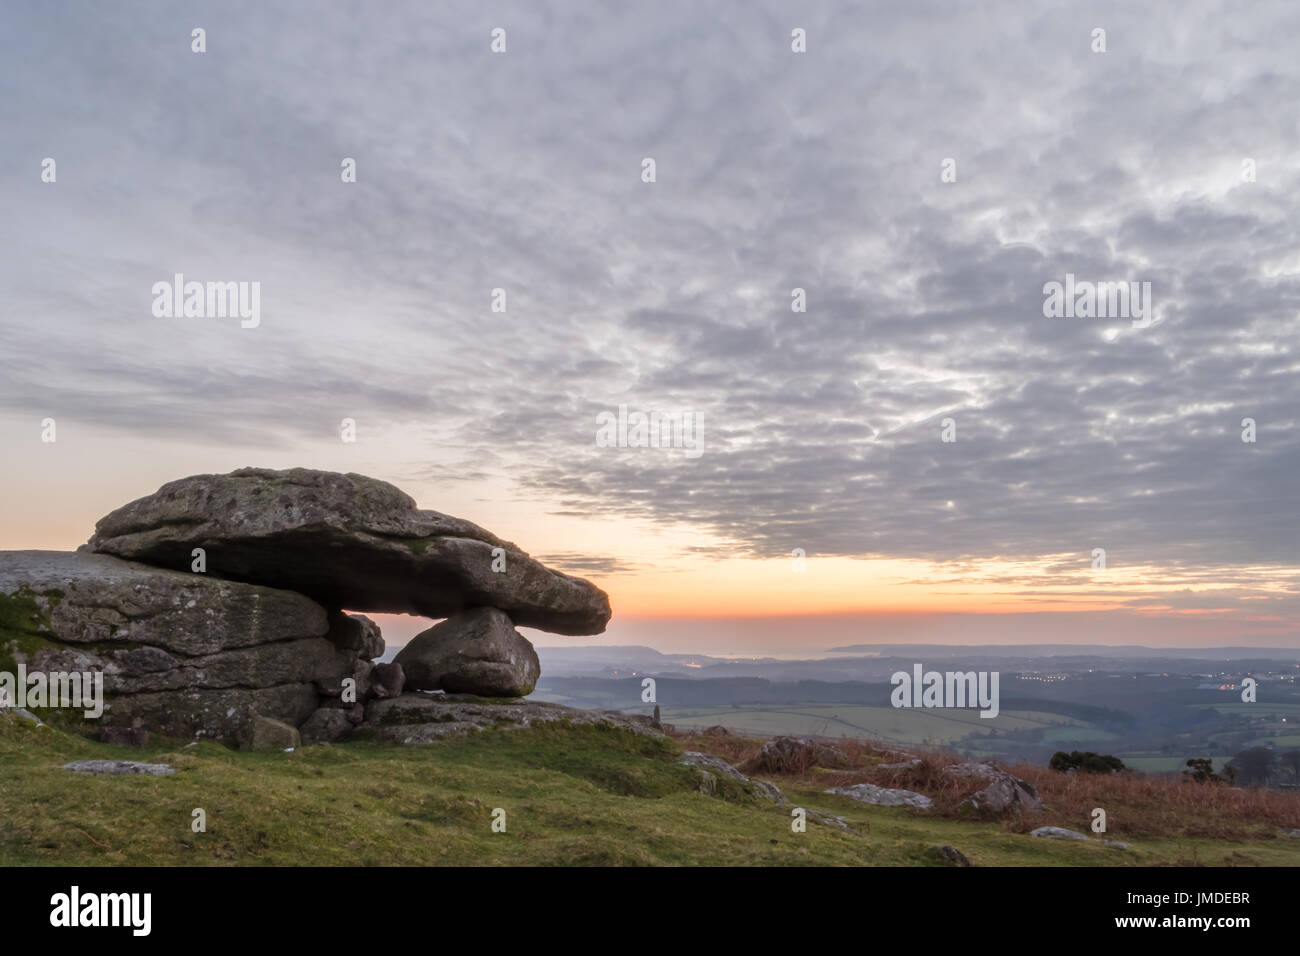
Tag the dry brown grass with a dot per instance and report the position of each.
(1136, 804)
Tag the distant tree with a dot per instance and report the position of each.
(1085, 762)
(1255, 767)
(1201, 770)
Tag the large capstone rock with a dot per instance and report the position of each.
(476, 652)
(349, 542)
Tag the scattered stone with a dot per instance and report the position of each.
(1295, 834)
(475, 652)
(717, 730)
(349, 541)
(883, 796)
(904, 765)
(110, 767)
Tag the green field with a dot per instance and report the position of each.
(901, 726)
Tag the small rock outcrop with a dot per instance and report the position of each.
(1005, 792)
(476, 652)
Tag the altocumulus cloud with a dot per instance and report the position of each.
(775, 171)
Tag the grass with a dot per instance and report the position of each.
(897, 725)
(572, 795)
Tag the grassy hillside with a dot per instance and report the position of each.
(572, 795)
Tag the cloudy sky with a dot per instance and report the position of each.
(1169, 158)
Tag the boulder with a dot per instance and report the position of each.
(263, 733)
(475, 652)
(387, 680)
(1005, 791)
(326, 725)
(883, 796)
(347, 541)
(356, 635)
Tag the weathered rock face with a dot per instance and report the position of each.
(147, 669)
(346, 541)
(219, 714)
(101, 602)
(182, 654)
(475, 652)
